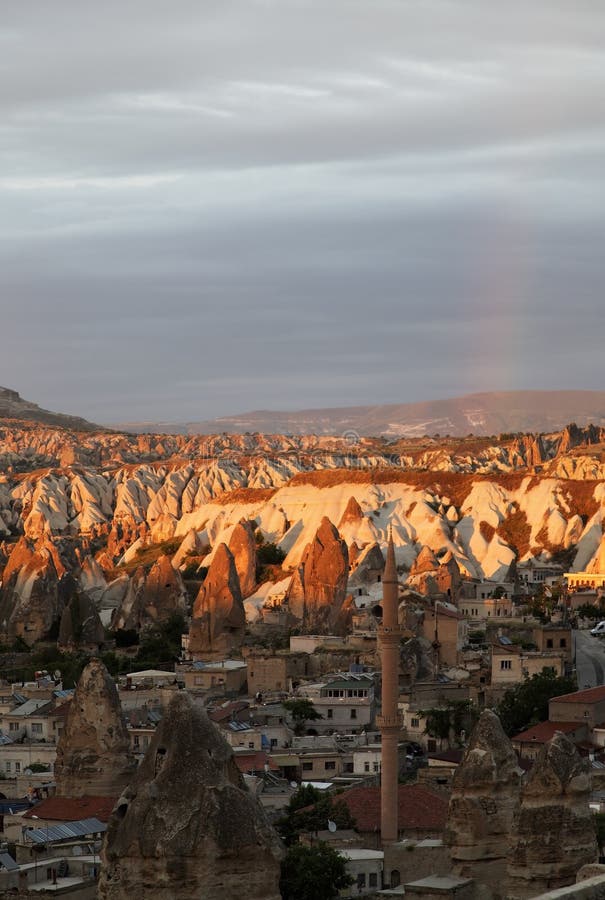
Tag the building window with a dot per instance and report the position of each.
(36, 727)
(330, 766)
(361, 881)
(563, 642)
(549, 643)
(415, 723)
(330, 713)
(7, 765)
(17, 767)
(136, 740)
(307, 767)
(377, 767)
(505, 664)
(373, 881)
(13, 726)
(366, 767)
(273, 743)
(250, 745)
(353, 713)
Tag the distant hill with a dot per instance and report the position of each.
(13, 406)
(479, 414)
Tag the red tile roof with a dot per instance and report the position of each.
(228, 711)
(254, 761)
(419, 808)
(72, 809)
(591, 695)
(544, 731)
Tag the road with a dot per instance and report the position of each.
(590, 659)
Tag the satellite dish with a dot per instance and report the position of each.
(293, 784)
(331, 826)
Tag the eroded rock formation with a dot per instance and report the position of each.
(187, 827)
(29, 599)
(484, 799)
(219, 620)
(80, 626)
(93, 752)
(319, 585)
(243, 548)
(554, 833)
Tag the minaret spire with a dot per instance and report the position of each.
(389, 722)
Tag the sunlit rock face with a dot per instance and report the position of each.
(93, 752)
(319, 586)
(219, 619)
(243, 548)
(553, 834)
(187, 826)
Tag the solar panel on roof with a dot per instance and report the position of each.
(8, 862)
(67, 831)
(504, 640)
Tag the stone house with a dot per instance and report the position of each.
(448, 628)
(227, 676)
(480, 609)
(581, 706)
(346, 702)
(365, 868)
(279, 671)
(553, 637)
(510, 664)
(324, 765)
(528, 743)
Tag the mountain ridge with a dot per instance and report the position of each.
(482, 414)
(13, 406)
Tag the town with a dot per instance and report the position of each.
(359, 706)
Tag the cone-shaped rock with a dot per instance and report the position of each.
(553, 835)
(426, 561)
(30, 591)
(484, 799)
(243, 547)
(93, 752)
(219, 619)
(319, 586)
(187, 827)
(153, 597)
(80, 623)
(352, 514)
(369, 566)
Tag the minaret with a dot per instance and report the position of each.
(389, 722)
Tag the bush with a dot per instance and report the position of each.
(126, 637)
(313, 873)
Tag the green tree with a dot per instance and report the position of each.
(448, 722)
(310, 810)
(313, 873)
(301, 711)
(526, 703)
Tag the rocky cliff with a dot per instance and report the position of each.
(553, 833)
(456, 508)
(187, 827)
(93, 752)
(483, 803)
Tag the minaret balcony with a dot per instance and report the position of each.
(395, 721)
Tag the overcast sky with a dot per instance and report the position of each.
(208, 207)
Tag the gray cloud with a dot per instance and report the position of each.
(208, 208)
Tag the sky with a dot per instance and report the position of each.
(213, 207)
